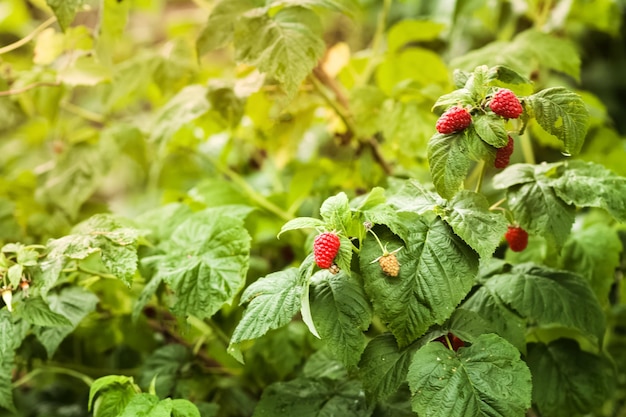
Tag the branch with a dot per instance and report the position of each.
(28, 37)
(27, 88)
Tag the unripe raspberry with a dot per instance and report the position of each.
(453, 120)
(506, 104)
(325, 248)
(517, 238)
(389, 264)
(503, 155)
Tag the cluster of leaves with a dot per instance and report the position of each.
(148, 175)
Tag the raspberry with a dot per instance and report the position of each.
(453, 120)
(454, 341)
(389, 264)
(506, 104)
(503, 155)
(325, 248)
(517, 238)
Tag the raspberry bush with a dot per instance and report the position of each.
(240, 208)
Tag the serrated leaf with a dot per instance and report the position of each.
(568, 381)
(272, 302)
(469, 216)
(220, 27)
(14, 274)
(341, 312)
(35, 311)
(146, 295)
(551, 52)
(205, 262)
(147, 405)
(348, 7)
(185, 107)
(534, 202)
(586, 184)
(164, 365)
(491, 129)
(461, 96)
(508, 76)
(184, 408)
(437, 270)
(65, 10)
(323, 364)
(6, 386)
(336, 213)
(383, 366)
(286, 46)
(594, 253)
(408, 31)
(310, 397)
(563, 114)
(162, 221)
(110, 383)
(437, 374)
(449, 162)
(301, 223)
(572, 303)
(7, 335)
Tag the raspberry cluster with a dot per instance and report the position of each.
(503, 155)
(506, 104)
(325, 249)
(517, 238)
(453, 120)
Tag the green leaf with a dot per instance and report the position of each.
(286, 46)
(14, 274)
(301, 223)
(184, 408)
(84, 71)
(502, 75)
(461, 96)
(336, 213)
(420, 65)
(164, 365)
(534, 202)
(309, 397)
(323, 364)
(35, 311)
(408, 31)
(7, 335)
(272, 302)
(469, 216)
(437, 270)
(490, 128)
(341, 312)
(6, 386)
(384, 366)
(563, 114)
(221, 24)
(487, 378)
(146, 294)
(586, 184)
(65, 10)
(449, 162)
(594, 253)
(348, 7)
(112, 383)
(366, 104)
(568, 381)
(185, 107)
(73, 303)
(551, 52)
(572, 304)
(205, 262)
(162, 221)
(147, 405)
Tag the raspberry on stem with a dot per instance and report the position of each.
(517, 238)
(325, 248)
(503, 155)
(388, 261)
(453, 120)
(506, 104)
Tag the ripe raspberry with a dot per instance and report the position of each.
(453, 120)
(517, 238)
(325, 248)
(503, 155)
(389, 264)
(506, 104)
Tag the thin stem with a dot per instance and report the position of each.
(496, 205)
(341, 111)
(84, 113)
(481, 177)
(28, 88)
(527, 150)
(448, 342)
(94, 273)
(28, 37)
(55, 370)
(378, 240)
(376, 44)
(209, 327)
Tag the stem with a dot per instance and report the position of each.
(376, 44)
(55, 370)
(527, 150)
(481, 177)
(27, 88)
(94, 273)
(209, 327)
(378, 240)
(448, 342)
(28, 37)
(341, 111)
(84, 113)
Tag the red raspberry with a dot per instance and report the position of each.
(454, 341)
(453, 120)
(506, 104)
(503, 155)
(325, 248)
(517, 238)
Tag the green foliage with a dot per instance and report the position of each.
(166, 167)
